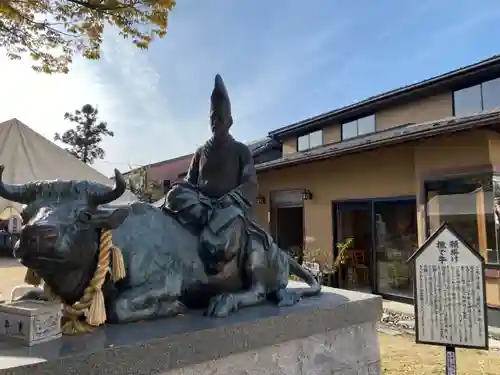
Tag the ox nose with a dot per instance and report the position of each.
(34, 239)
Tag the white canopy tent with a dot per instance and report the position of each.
(28, 156)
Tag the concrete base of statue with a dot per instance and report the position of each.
(334, 333)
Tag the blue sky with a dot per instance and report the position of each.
(282, 61)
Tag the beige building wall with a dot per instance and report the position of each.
(493, 282)
(386, 172)
(332, 134)
(290, 145)
(494, 148)
(357, 176)
(423, 110)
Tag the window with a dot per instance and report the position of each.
(396, 241)
(493, 221)
(468, 101)
(310, 140)
(475, 99)
(350, 129)
(388, 226)
(357, 127)
(491, 94)
(466, 203)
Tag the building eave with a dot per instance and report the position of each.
(388, 137)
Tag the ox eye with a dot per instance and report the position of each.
(85, 216)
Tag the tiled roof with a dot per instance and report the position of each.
(261, 145)
(395, 135)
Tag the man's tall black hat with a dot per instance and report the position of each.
(219, 101)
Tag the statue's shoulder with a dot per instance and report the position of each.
(243, 149)
(199, 151)
(242, 146)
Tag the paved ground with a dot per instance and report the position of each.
(8, 262)
(11, 275)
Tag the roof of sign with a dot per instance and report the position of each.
(442, 228)
(454, 80)
(400, 134)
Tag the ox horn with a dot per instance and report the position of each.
(14, 193)
(118, 190)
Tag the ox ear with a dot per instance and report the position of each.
(109, 219)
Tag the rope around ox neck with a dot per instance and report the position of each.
(91, 305)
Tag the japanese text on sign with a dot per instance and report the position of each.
(448, 251)
(449, 293)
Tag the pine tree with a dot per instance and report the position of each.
(85, 139)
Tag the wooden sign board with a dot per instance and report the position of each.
(449, 292)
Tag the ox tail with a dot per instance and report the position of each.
(297, 270)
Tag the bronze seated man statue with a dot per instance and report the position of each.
(216, 201)
(204, 249)
(220, 186)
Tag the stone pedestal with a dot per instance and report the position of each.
(334, 333)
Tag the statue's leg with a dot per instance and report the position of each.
(286, 297)
(223, 304)
(279, 267)
(222, 238)
(256, 268)
(268, 267)
(154, 300)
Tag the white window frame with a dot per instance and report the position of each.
(307, 138)
(481, 98)
(357, 127)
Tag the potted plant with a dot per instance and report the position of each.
(329, 268)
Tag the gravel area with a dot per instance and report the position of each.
(406, 323)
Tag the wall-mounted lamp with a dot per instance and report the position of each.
(261, 199)
(307, 195)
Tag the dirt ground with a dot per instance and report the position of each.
(401, 356)
(11, 275)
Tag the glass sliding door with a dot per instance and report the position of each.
(396, 240)
(354, 220)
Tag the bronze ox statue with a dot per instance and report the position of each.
(165, 268)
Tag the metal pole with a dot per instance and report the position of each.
(451, 360)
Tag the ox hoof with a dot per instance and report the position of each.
(287, 298)
(221, 305)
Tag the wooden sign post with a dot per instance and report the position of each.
(449, 295)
